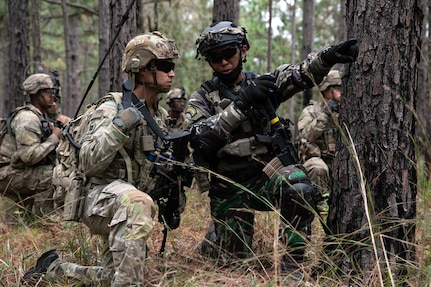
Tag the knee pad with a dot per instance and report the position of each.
(299, 202)
(138, 201)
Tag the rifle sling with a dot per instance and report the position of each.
(129, 97)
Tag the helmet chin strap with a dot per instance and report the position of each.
(154, 84)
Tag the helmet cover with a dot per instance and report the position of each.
(176, 93)
(36, 82)
(146, 47)
(333, 78)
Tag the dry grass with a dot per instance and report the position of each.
(181, 264)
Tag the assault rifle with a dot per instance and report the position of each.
(167, 195)
(173, 177)
(280, 140)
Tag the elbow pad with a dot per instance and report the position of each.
(206, 141)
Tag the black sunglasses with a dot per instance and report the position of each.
(218, 57)
(164, 66)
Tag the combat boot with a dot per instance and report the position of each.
(42, 264)
(295, 248)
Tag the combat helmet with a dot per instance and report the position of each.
(220, 34)
(36, 82)
(146, 47)
(332, 79)
(177, 93)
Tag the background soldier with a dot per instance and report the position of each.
(176, 100)
(54, 114)
(28, 148)
(117, 158)
(227, 115)
(317, 130)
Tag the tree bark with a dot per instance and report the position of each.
(36, 30)
(104, 36)
(307, 39)
(226, 10)
(381, 92)
(18, 53)
(71, 94)
(127, 32)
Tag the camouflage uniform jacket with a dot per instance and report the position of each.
(107, 154)
(316, 132)
(178, 124)
(35, 145)
(214, 109)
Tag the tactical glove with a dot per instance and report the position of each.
(343, 52)
(128, 119)
(331, 107)
(257, 92)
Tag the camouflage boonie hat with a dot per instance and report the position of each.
(36, 82)
(176, 93)
(146, 47)
(332, 79)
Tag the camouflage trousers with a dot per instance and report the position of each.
(30, 188)
(233, 204)
(124, 217)
(25, 182)
(318, 171)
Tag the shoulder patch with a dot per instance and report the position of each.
(191, 111)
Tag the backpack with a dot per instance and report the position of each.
(7, 138)
(68, 179)
(4, 155)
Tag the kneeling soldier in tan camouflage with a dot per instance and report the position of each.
(27, 151)
(115, 159)
(317, 128)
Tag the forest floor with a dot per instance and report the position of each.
(181, 264)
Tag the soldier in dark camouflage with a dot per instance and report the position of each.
(225, 116)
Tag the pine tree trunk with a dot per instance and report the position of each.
(380, 92)
(18, 53)
(226, 10)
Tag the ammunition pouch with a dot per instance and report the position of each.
(242, 147)
(74, 197)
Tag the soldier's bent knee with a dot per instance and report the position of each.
(299, 202)
(139, 201)
(140, 209)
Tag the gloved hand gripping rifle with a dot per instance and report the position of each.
(169, 192)
(172, 176)
(280, 140)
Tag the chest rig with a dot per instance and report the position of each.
(218, 97)
(151, 144)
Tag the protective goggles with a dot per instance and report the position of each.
(225, 54)
(164, 66)
(52, 91)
